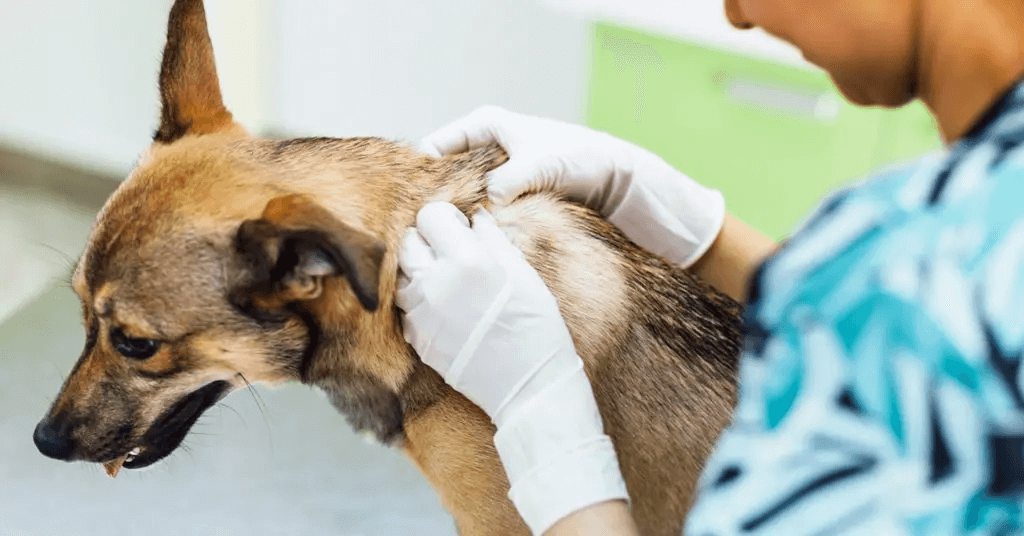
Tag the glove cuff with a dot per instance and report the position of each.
(580, 477)
(714, 220)
(556, 454)
(669, 214)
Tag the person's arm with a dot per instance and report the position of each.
(610, 518)
(734, 255)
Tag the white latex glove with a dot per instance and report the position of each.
(480, 315)
(655, 205)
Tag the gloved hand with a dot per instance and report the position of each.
(655, 205)
(480, 315)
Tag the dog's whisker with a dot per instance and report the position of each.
(260, 404)
(59, 370)
(66, 262)
(187, 450)
(69, 261)
(233, 410)
(255, 394)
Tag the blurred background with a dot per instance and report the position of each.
(78, 102)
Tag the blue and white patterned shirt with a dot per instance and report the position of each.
(881, 383)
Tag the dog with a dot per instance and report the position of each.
(224, 260)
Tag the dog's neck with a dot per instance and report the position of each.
(379, 382)
(367, 402)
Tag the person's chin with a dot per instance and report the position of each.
(887, 96)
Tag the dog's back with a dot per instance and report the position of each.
(661, 347)
(661, 350)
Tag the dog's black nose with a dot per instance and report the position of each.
(53, 441)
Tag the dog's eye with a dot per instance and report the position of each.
(133, 348)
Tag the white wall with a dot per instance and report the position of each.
(78, 78)
(244, 47)
(701, 21)
(401, 68)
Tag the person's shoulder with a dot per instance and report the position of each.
(883, 227)
(879, 187)
(839, 237)
(954, 269)
(960, 207)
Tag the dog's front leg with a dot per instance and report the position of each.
(452, 443)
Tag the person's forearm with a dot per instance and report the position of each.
(609, 518)
(737, 251)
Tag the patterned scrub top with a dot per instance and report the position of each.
(881, 382)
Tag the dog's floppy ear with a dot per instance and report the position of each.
(189, 91)
(293, 246)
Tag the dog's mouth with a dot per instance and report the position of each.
(113, 467)
(170, 429)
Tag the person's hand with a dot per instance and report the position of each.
(480, 315)
(657, 207)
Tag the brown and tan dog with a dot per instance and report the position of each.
(225, 259)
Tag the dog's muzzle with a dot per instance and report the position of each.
(170, 429)
(54, 435)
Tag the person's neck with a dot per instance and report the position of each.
(971, 53)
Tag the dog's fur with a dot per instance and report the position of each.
(253, 260)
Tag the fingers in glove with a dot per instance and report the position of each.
(512, 178)
(403, 282)
(495, 239)
(415, 255)
(478, 128)
(414, 259)
(408, 295)
(486, 228)
(481, 216)
(444, 228)
(427, 147)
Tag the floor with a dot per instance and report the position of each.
(285, 464)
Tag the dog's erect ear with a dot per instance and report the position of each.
(296, 244)
(189, 91)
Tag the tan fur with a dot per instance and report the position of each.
(268, 261)
(450, 442)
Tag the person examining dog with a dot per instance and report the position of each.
(881, 390)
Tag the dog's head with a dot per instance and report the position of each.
(178, 314)
(213, 266)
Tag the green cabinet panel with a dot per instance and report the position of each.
(907, 133)
(773, 138)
